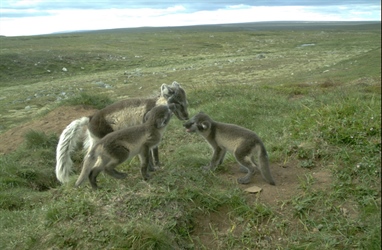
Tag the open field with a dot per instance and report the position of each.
(311, 91)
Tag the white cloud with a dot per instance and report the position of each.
(94, 19)
(240, 6)
(25, 3)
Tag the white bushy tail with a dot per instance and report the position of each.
(66, 145)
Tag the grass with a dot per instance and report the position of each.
(318, 122)
(96, 101)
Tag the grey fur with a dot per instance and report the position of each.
(241, 142)
(122, 114)
(118, 146)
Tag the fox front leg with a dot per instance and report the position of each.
(217, 158)
(221, 157)
(145, 163)
(154, 159)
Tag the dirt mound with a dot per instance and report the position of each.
(53, 122)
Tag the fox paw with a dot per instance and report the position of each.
(153, 169)
(243, 169)
(244, 180)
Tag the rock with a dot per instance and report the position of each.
(103, 85)
(318, 228)
(260, 56)
(253, 189)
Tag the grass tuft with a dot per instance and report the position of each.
(96, 101)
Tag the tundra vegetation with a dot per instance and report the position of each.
(312, 92)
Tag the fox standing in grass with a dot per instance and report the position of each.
(122, 114)
(118, 146)
(243, 143)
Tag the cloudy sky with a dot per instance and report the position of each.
(34, 17)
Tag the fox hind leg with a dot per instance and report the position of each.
(116, 174)
(110, 170)
(99, 166)
(245, 165)
(243, 169)
(250, 171)
(120, 154)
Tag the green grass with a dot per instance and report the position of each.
(96, 101)
(318, 122)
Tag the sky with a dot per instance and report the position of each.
(37, 17)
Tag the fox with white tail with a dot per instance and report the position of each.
(117, 116)
(118, 146)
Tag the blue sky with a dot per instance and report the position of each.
(35, 17)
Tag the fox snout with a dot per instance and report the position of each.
(180, 112)
(184, 114)
(188, 126)
(184, 117)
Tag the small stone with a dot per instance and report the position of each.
(253, 189)
(344, 211)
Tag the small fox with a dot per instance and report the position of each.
(241, 142)
(118, 146)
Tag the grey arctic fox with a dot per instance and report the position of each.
(117, 116)
(123, 144)
(241, 142)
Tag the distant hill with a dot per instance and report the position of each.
(260, 26)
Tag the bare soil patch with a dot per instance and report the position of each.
(54, 122)
(287, 177)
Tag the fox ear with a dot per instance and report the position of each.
(166, 90)
(146, 116)
(175, 84)
(205, 125)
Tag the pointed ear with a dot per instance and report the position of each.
(146, 116)
(205, 125)
(166, 90)
(175, 84)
